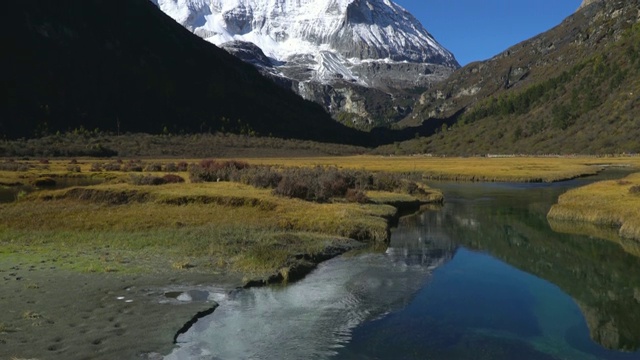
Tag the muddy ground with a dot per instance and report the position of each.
(51, 313)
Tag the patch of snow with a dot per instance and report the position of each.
(333, 32)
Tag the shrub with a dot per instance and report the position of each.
(112, 167)
(356, 196)
(73, 168)
(316, 184)
(155, 167)
(171, 167)
(293, 188)
(96, 167)
(132, 166)
(172, 179)
(44, 161)
(330, 183)
(147, 180)
(261, 177)
(73, 161)
(634, 190)
(396, 183)
(410, 188)
(386, 182)
(183, 166)
(212, 170)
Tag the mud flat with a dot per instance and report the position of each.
(52, 313)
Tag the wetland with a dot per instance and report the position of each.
(484, 275)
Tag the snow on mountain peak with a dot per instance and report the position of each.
(351, 30)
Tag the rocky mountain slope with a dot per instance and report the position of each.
(359, 59)
(125, 66)
(572, 89)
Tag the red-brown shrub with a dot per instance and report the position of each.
(356, 196)
(173, 179)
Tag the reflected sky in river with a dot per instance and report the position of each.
(314, 318)
(485, 277)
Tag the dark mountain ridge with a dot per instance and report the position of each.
(124, 66)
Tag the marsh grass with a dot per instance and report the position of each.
(516, 169)
(224, 225)
(606, 203)
(123, 227)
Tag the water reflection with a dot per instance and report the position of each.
(315, 317)
(468, 281)
(12, 193)
(603, 277)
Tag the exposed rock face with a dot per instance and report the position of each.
(248, 52)
(313, 46)
(587, 3)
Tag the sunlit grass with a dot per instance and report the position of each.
(208, 225)
(530, 169)
(120, 227)
(605, 203)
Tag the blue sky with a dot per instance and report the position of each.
(479, 29)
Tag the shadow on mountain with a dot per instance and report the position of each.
(127, 67)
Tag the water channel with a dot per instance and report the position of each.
(483, 277)
(12, 193)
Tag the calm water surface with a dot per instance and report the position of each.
(483, 277)
(11, 193)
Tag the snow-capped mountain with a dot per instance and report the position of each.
(370, 43)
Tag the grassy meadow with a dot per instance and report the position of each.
(498, 169)
(614, 204)
(122, 226)
(129, 223)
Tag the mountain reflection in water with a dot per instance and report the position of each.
(314, 317)
(485, 277)
(602, 276)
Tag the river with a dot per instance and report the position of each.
(482, 277)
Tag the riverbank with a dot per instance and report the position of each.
(612, 204)
(85, 269)
(70, 252)
(53, 313)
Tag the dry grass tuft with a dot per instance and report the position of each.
(4, 329)
(31, 315)
(182, 265)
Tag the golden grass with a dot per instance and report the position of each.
(605, 203)
(525, 169)
(522, 169)
(207, 225)
(117, 226)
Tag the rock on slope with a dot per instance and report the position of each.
(329, 51)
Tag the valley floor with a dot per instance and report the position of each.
(85, 268)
